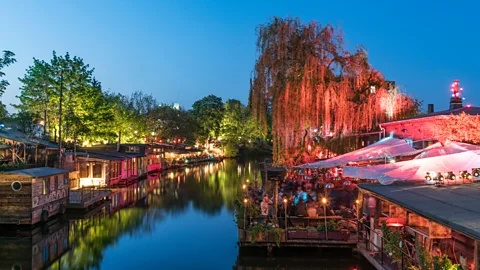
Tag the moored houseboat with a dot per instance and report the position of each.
(29, 196)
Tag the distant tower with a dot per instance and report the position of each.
(456, 99)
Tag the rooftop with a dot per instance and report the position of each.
(39, 172)
(24, 138)
(467, 110)
(454, 206)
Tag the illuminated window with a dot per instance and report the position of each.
(46, 186)
(84, 170)
(372, 89)
(97, 170)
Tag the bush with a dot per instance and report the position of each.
(230, 150)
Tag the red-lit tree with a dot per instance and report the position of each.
(312, 87)
(460, 128)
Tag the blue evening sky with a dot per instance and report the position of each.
(180, 51)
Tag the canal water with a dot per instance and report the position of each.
(178, 220)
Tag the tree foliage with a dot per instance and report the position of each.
(209, 112)
(172, 123)
(459, 128)
(306, 79)
(5, 60)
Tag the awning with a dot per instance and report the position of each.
(385, 148)
(454, 159)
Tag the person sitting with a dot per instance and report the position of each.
(312, 211)
(301, 208)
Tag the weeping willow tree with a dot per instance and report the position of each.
(314, 89)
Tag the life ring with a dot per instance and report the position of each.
(44, 216)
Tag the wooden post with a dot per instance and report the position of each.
(36, 155)
(46, 157)
(275, 198)
(75, 145)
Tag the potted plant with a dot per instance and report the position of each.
(333, 232)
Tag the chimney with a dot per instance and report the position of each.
(430, 108)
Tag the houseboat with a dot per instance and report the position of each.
(29, 196)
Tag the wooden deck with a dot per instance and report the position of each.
(83, 198)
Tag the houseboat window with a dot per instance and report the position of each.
(56, 182)
(16, 186)
(65, 178)
(84, 168)
(97, 170)
(46, 186)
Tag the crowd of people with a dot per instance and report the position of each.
(305, 195)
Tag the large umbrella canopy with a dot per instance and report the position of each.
(387, 147)
(453, 160)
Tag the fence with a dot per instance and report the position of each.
(86, 194)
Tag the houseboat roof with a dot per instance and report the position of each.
(134, 144)
(39, 172)
(467, 110)
(98, 155)
(454, 206)
(21, 137)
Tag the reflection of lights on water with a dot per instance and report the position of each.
(249, 167)
(171, 175)
(187, 170)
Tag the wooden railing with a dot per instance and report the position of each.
(86, 194)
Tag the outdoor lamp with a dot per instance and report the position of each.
(428, 177)
(476, 172)
(244, 186)
(440, 177)
(357, 201)
(245, 200)
(324, 200)
(451, 176)
(285, 200)
(248, 180)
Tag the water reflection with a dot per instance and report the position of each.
(181, 219)
(137, 209)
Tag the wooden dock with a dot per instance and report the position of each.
(85, 197)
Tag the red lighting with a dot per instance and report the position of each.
(469, 106)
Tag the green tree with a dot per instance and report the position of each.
(36, 90)
(209, 113)
(5, 60)
(85, 111)
(171, 123)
